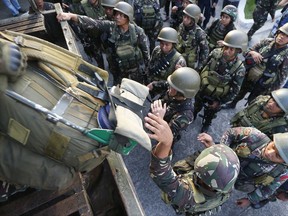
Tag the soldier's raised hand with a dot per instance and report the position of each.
(158, 109)
(205, 139)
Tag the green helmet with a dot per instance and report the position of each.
(236, 39)
(168, 34)
(193, 11)
(218, 167)
(284, 28)
(280, 140)
(126, 9)
(231, 11)
(109, 3)
(185, 80)
(281, 98)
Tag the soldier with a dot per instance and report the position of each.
(108, 6)
(263, 161)
(267, 113)
(207, 7)
(260, 13)
(221, 78)
(177, 14)
(183, 84)
(164, 59)
(192, 40)
(127, 43)
(207, 184)
(220, 27)
(147, 15)
(48, 115)
(266, 65)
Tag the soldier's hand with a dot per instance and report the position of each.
(158, 109)
(243, 202)
(67, 16)
(205, 139)
(12, 61)
(160, 129)
(257, 57)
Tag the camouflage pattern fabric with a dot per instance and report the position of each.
(260, 13)
(180, 190)
(159, 62)
(116, 36)
(251, 117)
(152, 23)
(276, 69)
(245, 137)
(193, 38)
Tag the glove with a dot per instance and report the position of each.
(12, 61)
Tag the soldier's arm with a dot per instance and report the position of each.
(143, 45)
(245, 135)
(264, 192)
(179, 122)
(160, 168)
(203, 50)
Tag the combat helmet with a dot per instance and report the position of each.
(185, 80)
(109, 3)
(231, 11)
(218, 167)
(281, 98)
(280, 140)
(168, 34)
(284, 28)
(126, 9)
(236, 39)
(193, 11)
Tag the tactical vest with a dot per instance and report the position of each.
(128, 54)
(251, 166)
(165, 65)
(145, 15)
(91, 11)
(203, 204)
(251, 117)
(216, 33)
(188, 47)
(215, 84)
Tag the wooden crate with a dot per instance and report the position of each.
(71, 201)
(24, 24)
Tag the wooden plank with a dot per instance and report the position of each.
(68, 34)
(67, 206)
(31, 22)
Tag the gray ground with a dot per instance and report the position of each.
(138, 160)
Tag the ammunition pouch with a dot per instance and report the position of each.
(214, 84)
(128, 56)
(190, 57)
(146, 17)
(255, 72)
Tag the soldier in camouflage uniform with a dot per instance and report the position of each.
(147, 15)
(183, 84)
(220, 27)
(260, 13)
(267, 113)
(108, 6)
(192, 40)
(177, 14)
(205, 186)
(221, 78)
(266, 65)
(263, 161)
(164, 59)
(128, 46)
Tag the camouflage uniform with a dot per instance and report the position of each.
(193, 45)
(147, 15)
(132, 66)
(260, 13)
(251, 116)
(182, 190)
(230, 76)
(275, 67)
(253, 178)
(161, 66)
